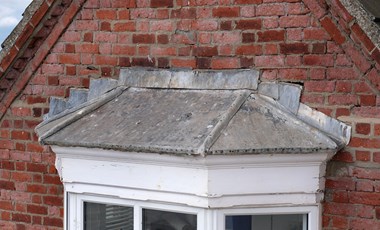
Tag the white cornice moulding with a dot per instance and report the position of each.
(206, 182)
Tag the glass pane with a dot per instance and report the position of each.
(107, 217)
(161, 220)
(267, 222)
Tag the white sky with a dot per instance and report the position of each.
(10, 14)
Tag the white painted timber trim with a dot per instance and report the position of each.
(204, 182)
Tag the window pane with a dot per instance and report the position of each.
(160, 220)
(107, 217)
(267, 222)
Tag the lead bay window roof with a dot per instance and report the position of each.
(192, 113)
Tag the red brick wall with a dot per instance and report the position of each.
(310, 42)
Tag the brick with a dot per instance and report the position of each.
(248, 11)
(188, 38)
(20, 111)
(226, 25)
(343, 99)
(246, 62)
(248, 37)
(161, 3)
(365, 142)
(249, 50)
(206, 51)
(104, 60)
(297, 9)
(86, 25)
(365, 211)
(341, 73)
(377, 129)
(18, 217)
(318, 8)
(123, 27)
(105, 14)
(294, 21)
(343, 86)
(124, 50)
(318, 48)
(142, 62)
(36, 167)
(36, 188)
(367, 100)
(203, 63)
(362, 37)
(162, 39)
(319, 60)
(294, 61)
(293, 74)
(143, 38)
(248, 1)
(204, 25)
(53, 200)
(339, 222)
(342, 183)
(340, 209)
(271, 36)
(249, 24)
(50, 221)
(315, 34)
(333, 30)
(366, 111)
(20, 135)
(294, 48)
(225, 63)
(362, 156)
(366, 173)
(6, 205)
(227, 37)
(365, 198)
(6, 144)
(184, 13)
(376, 55)
(163, 51)
(69, 58)
(358, 58)
(270, 22)
(373, 77)
(7, 185)
(319, 86)
(269, 61)
(37, 209)
(269, 49)
(184, 62)
(52, 179)
(162, 25)
(225, 12)
(270, 10)
(364, 224)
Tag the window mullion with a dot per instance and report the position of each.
(137, 217)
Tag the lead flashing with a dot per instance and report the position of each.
(189, 79)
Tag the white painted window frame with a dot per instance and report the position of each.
(207, 219)
(75, 209)
(313, 213)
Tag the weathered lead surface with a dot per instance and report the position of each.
(151, 120)
(260, 126)
(164, 111)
